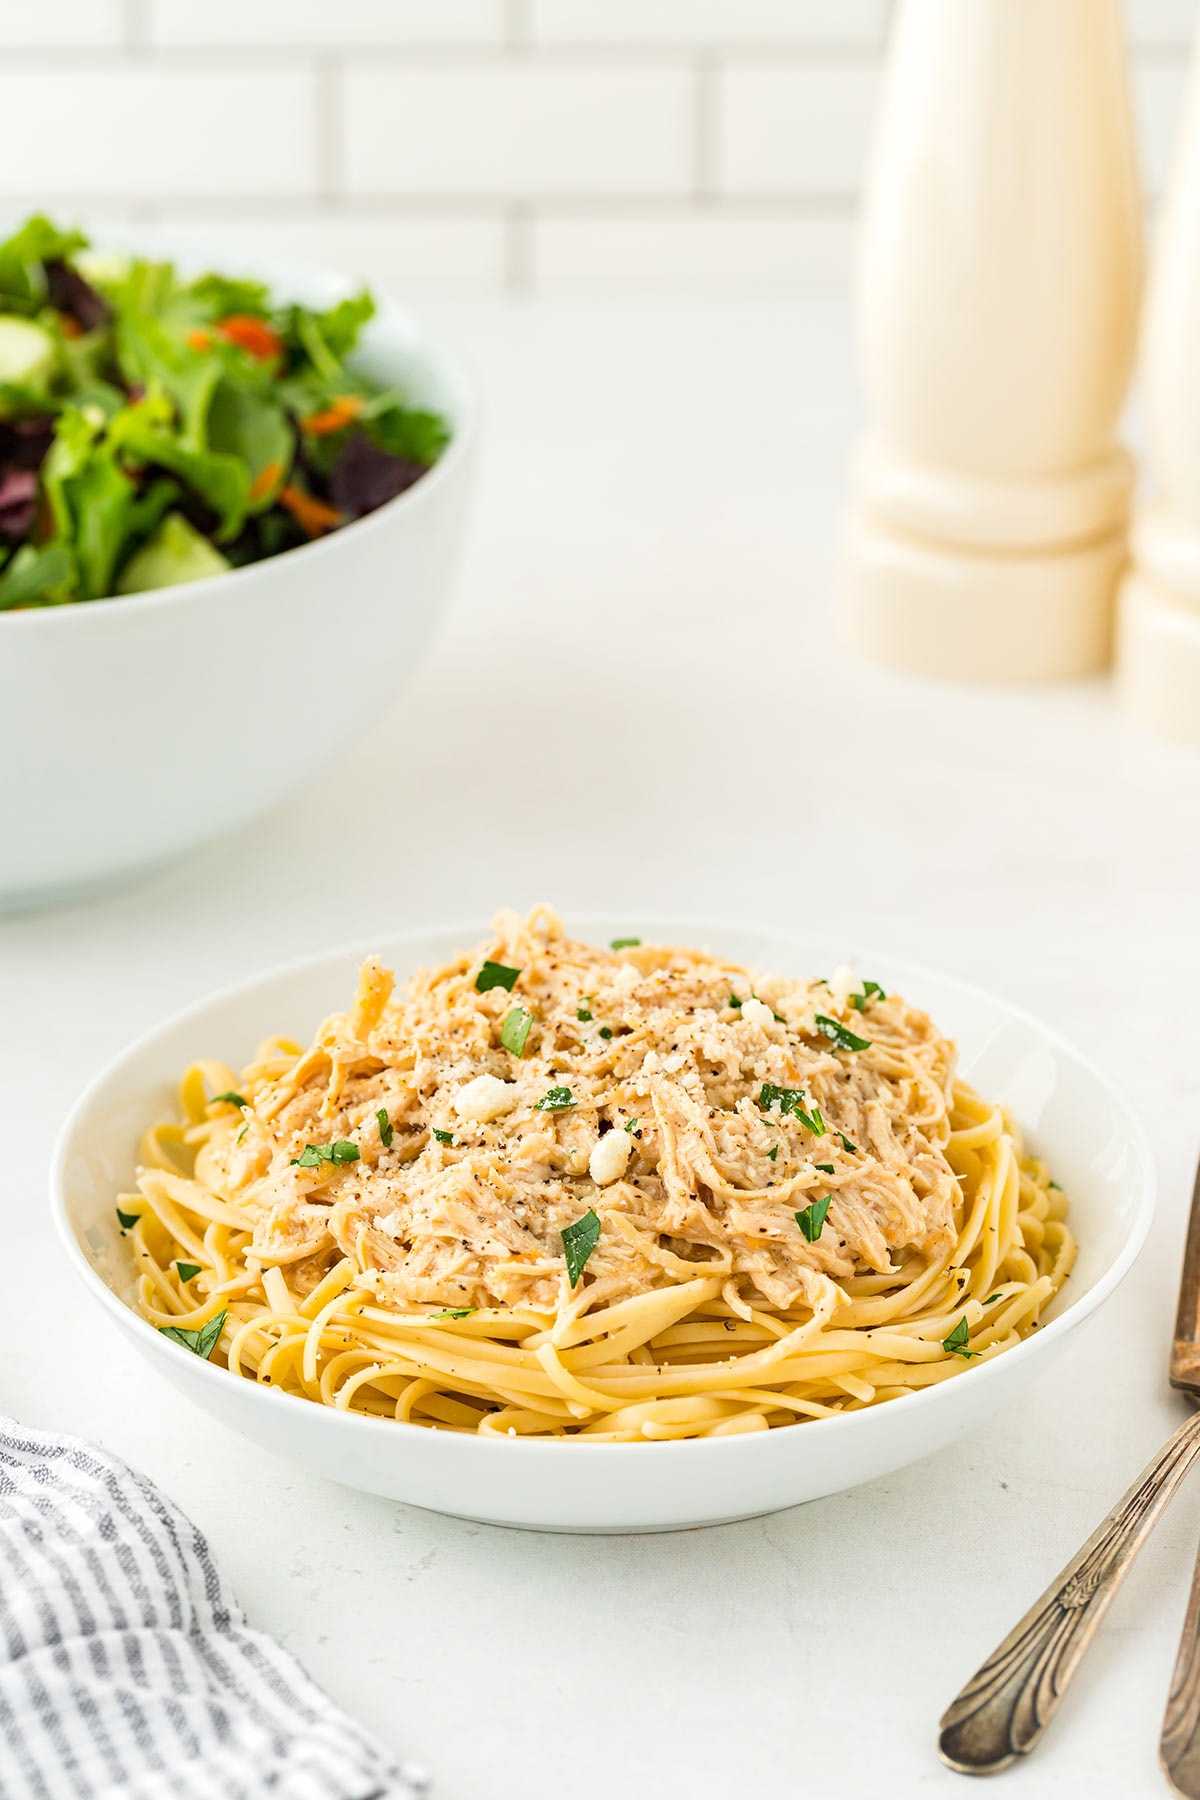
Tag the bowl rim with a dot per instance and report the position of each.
(401, 1433)
(389, 313)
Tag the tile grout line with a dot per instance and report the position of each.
(329, 126)
(518, 25)
(137, 34)
(519, 267)
(705, 129)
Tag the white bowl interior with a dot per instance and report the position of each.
(1091, 1140)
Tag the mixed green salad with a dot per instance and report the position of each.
(155, 430)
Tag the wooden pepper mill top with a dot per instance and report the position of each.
(999, 279)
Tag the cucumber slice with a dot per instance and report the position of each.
(174, 553)
(28, 354)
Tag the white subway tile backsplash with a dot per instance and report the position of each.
(518, 131)
(241, 24)
(708, 251)
(62, 25)
(707, 23)
(147, 131)
(397, 256)
(474, 144)
(794, 130)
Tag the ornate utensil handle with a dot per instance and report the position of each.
(1007, 1704)
(1179, 1746)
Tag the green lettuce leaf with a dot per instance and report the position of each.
(256, 430)
(101, 497)
(143, 433)
(35, 576)
(405, 431)
(341, 325)
(327, 338)
(38, 241)
(216, 296)
(150, 356)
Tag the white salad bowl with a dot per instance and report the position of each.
(1088, 1134)
(134, 729)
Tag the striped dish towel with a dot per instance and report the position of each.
(126, 1665)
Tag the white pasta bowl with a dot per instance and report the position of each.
(135, 729)
(1068, 1112)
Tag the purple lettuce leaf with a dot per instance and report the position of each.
(24, 442)
(18, 503)
(364, 476)
(68, 292)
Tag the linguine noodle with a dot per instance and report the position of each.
(628, 1194)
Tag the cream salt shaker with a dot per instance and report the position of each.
(999, 277)
(1159, 630)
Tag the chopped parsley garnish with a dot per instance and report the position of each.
(233, 1099)
(241, 1134)
(811, 1219)
(201, 1343)
(871, 990)
(625, 943)
(187, 1271)
(990, 1298)
(555, 1099)
(605, 1031)
(313, 1155)
(454, 1312)
(773, 1152)
(386, 1129)
(788, 1101)
(514, 1032)
(847, 1146)
(1054, 1184)
(579, 1240)
(839, 1037)
(493, 975)
(127, 1221)
(631, 1125)
(959, 1341)
(733, 1000)
(582, 1013)
(825, 1168)
(783, 1098)
(443, 1137)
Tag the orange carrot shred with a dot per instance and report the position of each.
(264, 481)
(336, 415)
(199, 339)
(252, 335)
(312, 515)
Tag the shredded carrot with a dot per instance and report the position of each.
(264, 481)
(313, 516)
(337, 414)
(199, 339)
(254, 336)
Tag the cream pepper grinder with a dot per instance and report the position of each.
(999, 277)
(1159, 634)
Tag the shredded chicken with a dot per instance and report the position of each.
(739, 1111)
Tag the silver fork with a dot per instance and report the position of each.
(1003, 1710)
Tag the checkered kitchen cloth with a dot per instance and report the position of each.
(126, 1665)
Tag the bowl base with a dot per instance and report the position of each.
(760, 1512)
(95, 887)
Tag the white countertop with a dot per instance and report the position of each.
(636, 702)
